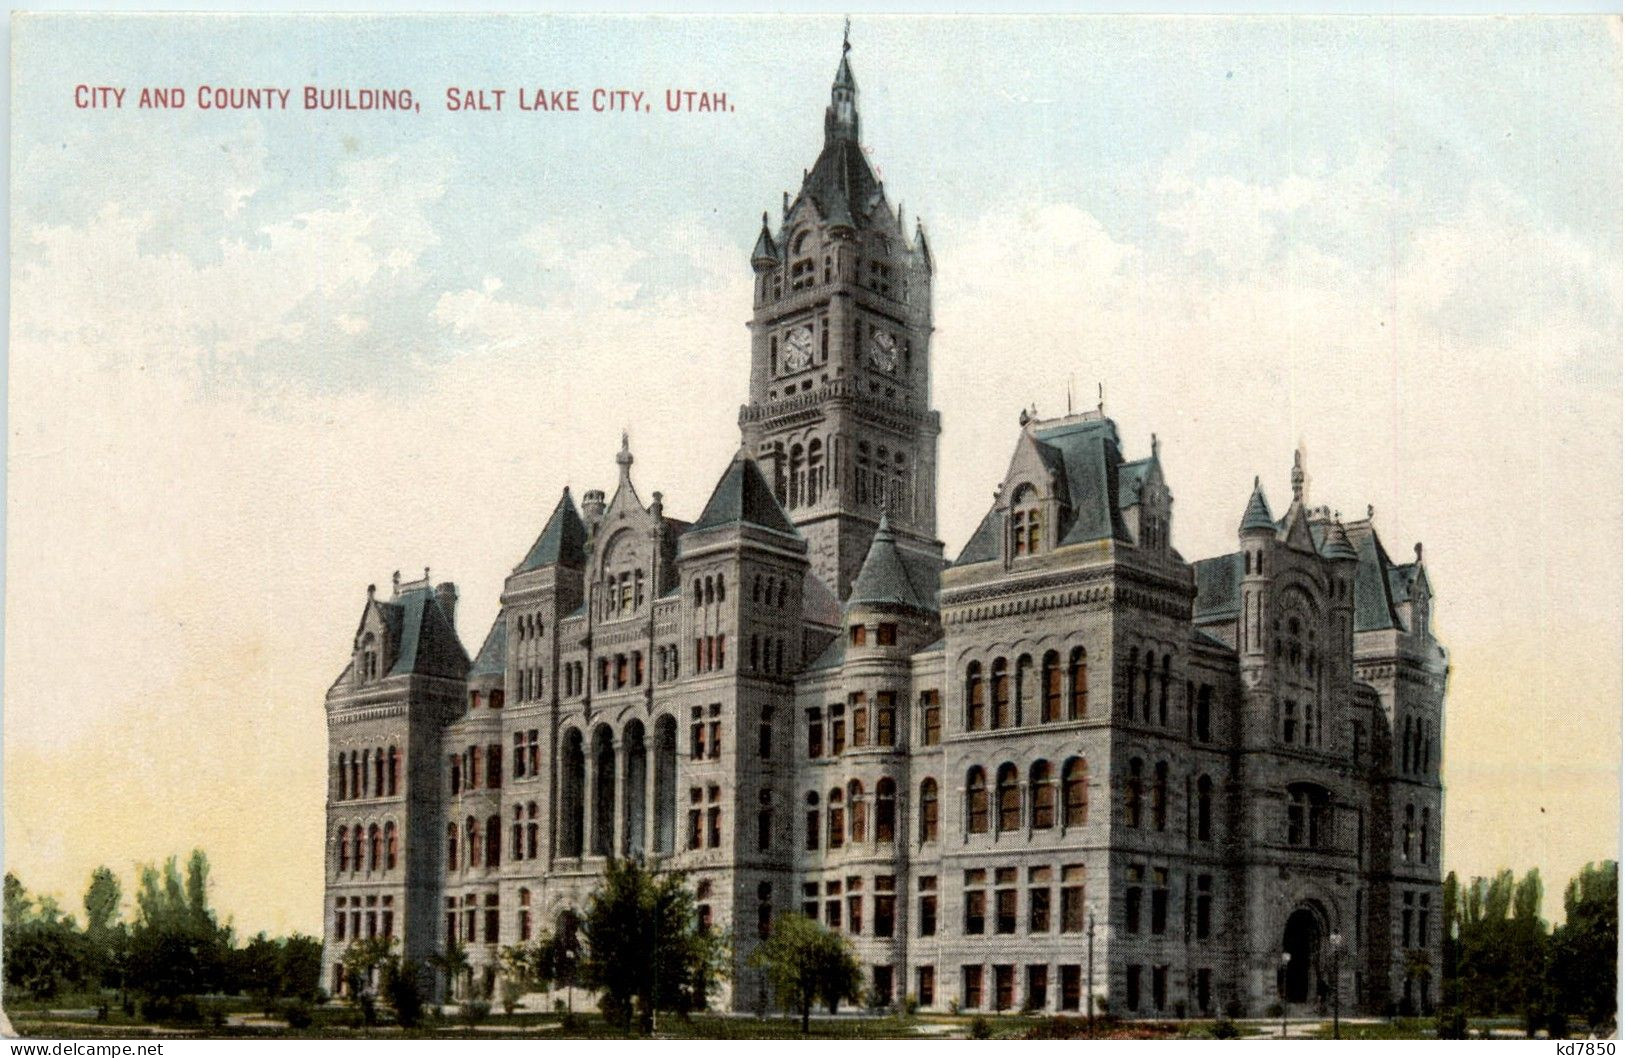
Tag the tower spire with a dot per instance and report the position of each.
(841, 119)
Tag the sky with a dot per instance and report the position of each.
(259, 360)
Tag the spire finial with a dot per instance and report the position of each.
(623, 458)
(1297, 476)
(846, 36)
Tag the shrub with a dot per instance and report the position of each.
(297, 1013)
(981, 1028)
(404, 991)
(1225, 1029)
(475, 1011)
(911, 1005)
(1234, 1009)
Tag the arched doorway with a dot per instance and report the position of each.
(1302, 941)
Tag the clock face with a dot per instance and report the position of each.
(798, 349)
(883, 351)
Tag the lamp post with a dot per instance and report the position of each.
(1337, 985)
(1286, 959)
(1091, 953)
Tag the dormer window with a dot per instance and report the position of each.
(1026, 522)
(369, 657)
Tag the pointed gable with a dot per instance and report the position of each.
(1374, 607)
(895, 576)
(742, 497)
(1090, 458)
(563, 540)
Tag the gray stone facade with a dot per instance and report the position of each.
(1067, 762)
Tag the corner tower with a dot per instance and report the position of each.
(839, 418)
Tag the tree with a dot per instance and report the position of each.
(806, 963)
(299, 966)
(44, 952)
(645, 947)
(176, 946)
(452, 963)
(1584, 949)
(564, 955)
(102, 900)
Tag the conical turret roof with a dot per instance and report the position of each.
(742, 496)
(563, 539)
(1257, 515)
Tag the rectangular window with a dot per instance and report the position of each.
(1159, 987)
(885, 914)
(1159, 901)
(1131, 901)
(930, 718)
(1037, 988)
(1204, 907)
(1038, 900)
(854, 914)
(925, 985)
(885, 718)
(832, 914)
(860, 718)
(715, 731)
(1071, 987)
(696, 734)
(975, 911)
(1132, 993)
(886, 635)
(1204, 990)
(859, 635)
(971, 979)
(837, 729)
(1004, 987)
(764, 734)
(815, 735)
(928, 906)
(1005, 906)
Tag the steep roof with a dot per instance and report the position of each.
(742, 496)
(563, 540)
(1130, 479)
(492, 659)
(1218, 587)
(1257, 515)
(428, 644)
(833, 657)
(1090, 457)
(983, 545)
(896, 576)
(1373, 598)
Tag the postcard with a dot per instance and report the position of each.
(891, 527)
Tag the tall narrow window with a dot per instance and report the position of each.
(1051, 677)
(975, 703)
(976, 801)
(885, 811)
(928, 810)
(1042, 796)
(1075, 790)
(1002, 712)
(1078, 682)
(1009, 798)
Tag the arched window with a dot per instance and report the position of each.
(1041, 779)
(710, 592)
(471, 842)
(374, 847)
(1132, 790)
(665, 784)
(1162, 694)
(862, 476)
(928, 810)
(1009, 798)
(378, 772)
(1204, 809)
(572, 794)
(394, 770)
(1026, 690)
(756, 589)
(1078, 682)
(1130, 675)
(343, 780)
(1159, 796)
(815, 470)
(451, 846)
(722, 589)
(493, 840)
(837, 820)
(1409, 833)
(784, 586)
(1423, 843)
(976, 801)
(524, 914)
(1001, 693)
(358, 840)
(1026, 522)
(1145, 698)
(1051, 679)
(812, 821)
(390, 848)
(885, 811)
(860, 812)
(1075, 790)
(798, 475)
(344, 849)
(975, 702)
(531, 831)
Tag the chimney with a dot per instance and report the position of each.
(592, 507)
(445, 594)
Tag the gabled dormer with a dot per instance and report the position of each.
(1033, 501)
(624, 564)
(1146, 502)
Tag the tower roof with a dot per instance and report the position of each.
(563, 539)
(742, 496)
(492, 659)
(892, 576)
(1257, 515)
(766, 251)
(1336, 543)
(428, 643)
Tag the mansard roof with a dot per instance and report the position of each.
(896, 576)
(983, 545)
(1218, 587)
(833, 657)
(493, 656)
(563, 540)
(1130, 479)
(1373, 588)
(428, 643)
(1091, 458)
(742, 496)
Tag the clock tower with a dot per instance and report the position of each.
(839, 417)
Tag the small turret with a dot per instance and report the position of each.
(592, 507)
(1257, 517)
(766, 254)
(445, 593)
(841, 119)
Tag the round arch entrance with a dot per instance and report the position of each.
(1302, 939)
